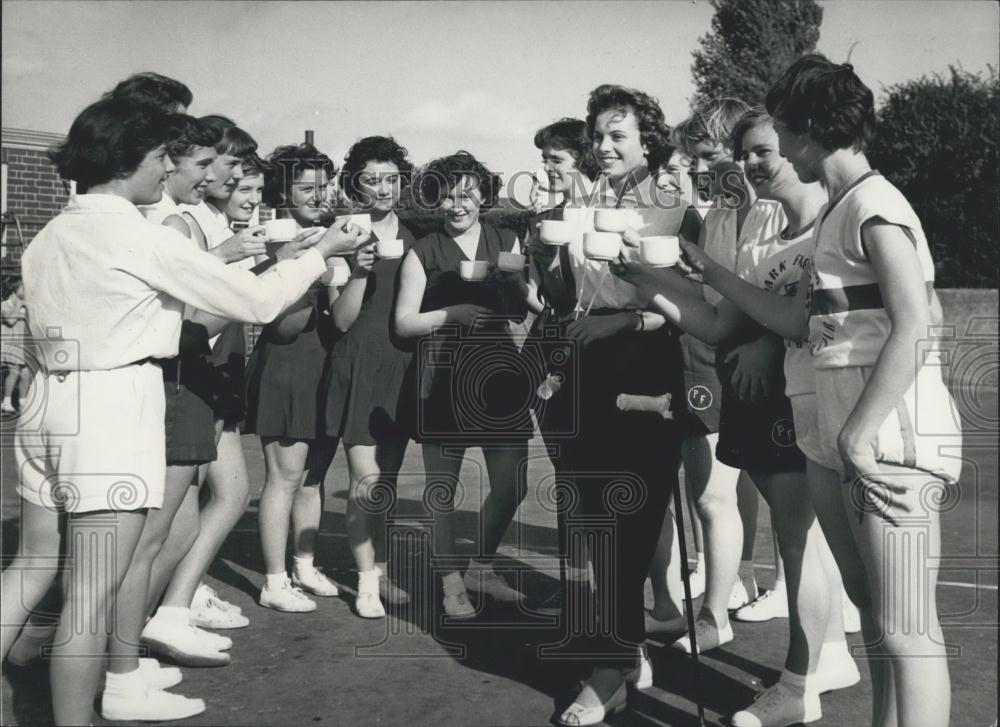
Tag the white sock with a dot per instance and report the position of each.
(452, 584)
(368, 581)
(303, 563)
(382, 568)
(475, 564)
(276, 581)
(123, 684)
(795, 684)
(700, 560)
(178, 615)
(8, 402)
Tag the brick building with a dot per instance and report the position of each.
(33, 192)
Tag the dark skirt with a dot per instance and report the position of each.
(188, 387)
(229, 360)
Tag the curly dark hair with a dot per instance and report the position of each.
(439, 177)
(373, 149)
(653, 129)
(253, 164)
(288, 163)
(152, 89)
(569, 134)
(188, 133)
(825, 99)
(233, 140)
(109, 140)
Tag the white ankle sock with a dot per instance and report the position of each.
(368, 581)
(699, 560)
(174, 615)
(453, 584)
(303, 562)
(276, 581)
(793, 683)
(475, 564)
(123, 684)
(382, 568)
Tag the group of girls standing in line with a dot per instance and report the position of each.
(374, 350)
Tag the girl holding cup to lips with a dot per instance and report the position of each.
(467, 394)
(368, 366)
(286, 400)
(630, 458)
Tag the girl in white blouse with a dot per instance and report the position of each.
(107, 292)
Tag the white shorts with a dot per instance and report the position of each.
(922, 433)
(93, 440)
(805, 415)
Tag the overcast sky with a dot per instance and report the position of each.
(438, 76)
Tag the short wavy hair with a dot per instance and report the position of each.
(153, 89)
(439, 177)
(827, 100)
(189, 133)
(253, 164)
(653, 129)
(753, 118)
(373, 149)
(288, 163)
(233, 140)
(713, 121)
(109, 140)
(570, 135)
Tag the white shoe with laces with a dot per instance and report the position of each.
(836, 669)
(206, 594)
(768, 605)
(740, 596)
(149, 705)
(485, 580)
(458, 605)
(778, 707)
(368, 605)
(211, 616)
(288, 598)
(312, 580)
(183, 643)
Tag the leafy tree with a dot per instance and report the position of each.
(937, 141)
(750, 44)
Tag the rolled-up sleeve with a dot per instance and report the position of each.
(203, 281)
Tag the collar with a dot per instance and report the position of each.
(108, 203)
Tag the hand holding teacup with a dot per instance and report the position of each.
(342, 238)
(300, 242)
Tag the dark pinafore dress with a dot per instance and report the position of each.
(471, 387)
(370, 365)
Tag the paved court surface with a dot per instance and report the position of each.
(330, 667)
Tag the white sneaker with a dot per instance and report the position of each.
(368, 605)
(288, 598)
(184, 644)
(388, 591)
(485, 580)
(707, 635)
(220, 642)
(836, 670)
(740, 596)
(311, 579)
(152, 705)
(852, 618)
(157, 676)
(696, 578)
(212, 615)
(777, 707)
(457, 605)
(7, 407)
(769, 605)
(206, 594)
(645, 678)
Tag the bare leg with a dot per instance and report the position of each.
(307, 507)
(508, 471)
(100, 547)
(442, 481)
(184, 531)
(229, 493)
(32, 572)
(131, 610)
(748, 502)
(285, 464)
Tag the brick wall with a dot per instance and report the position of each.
(35, 193)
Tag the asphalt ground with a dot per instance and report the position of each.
(331, 667)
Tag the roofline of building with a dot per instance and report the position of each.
(27, 139)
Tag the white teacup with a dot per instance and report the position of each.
(473, 270)
(510, 262)
(612, 220)
(389, 248)
(601, 245)
(556, 232)
(660, 250)
(282, 230)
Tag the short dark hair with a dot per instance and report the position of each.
(826, 100)
(288, 163)
(253, 164)
(373, 149)
(753, 118)
(569, 134)
(653, 129)
(151, 88)
(439, 177)
(189, 133)
(109, 140)
(233, 140)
